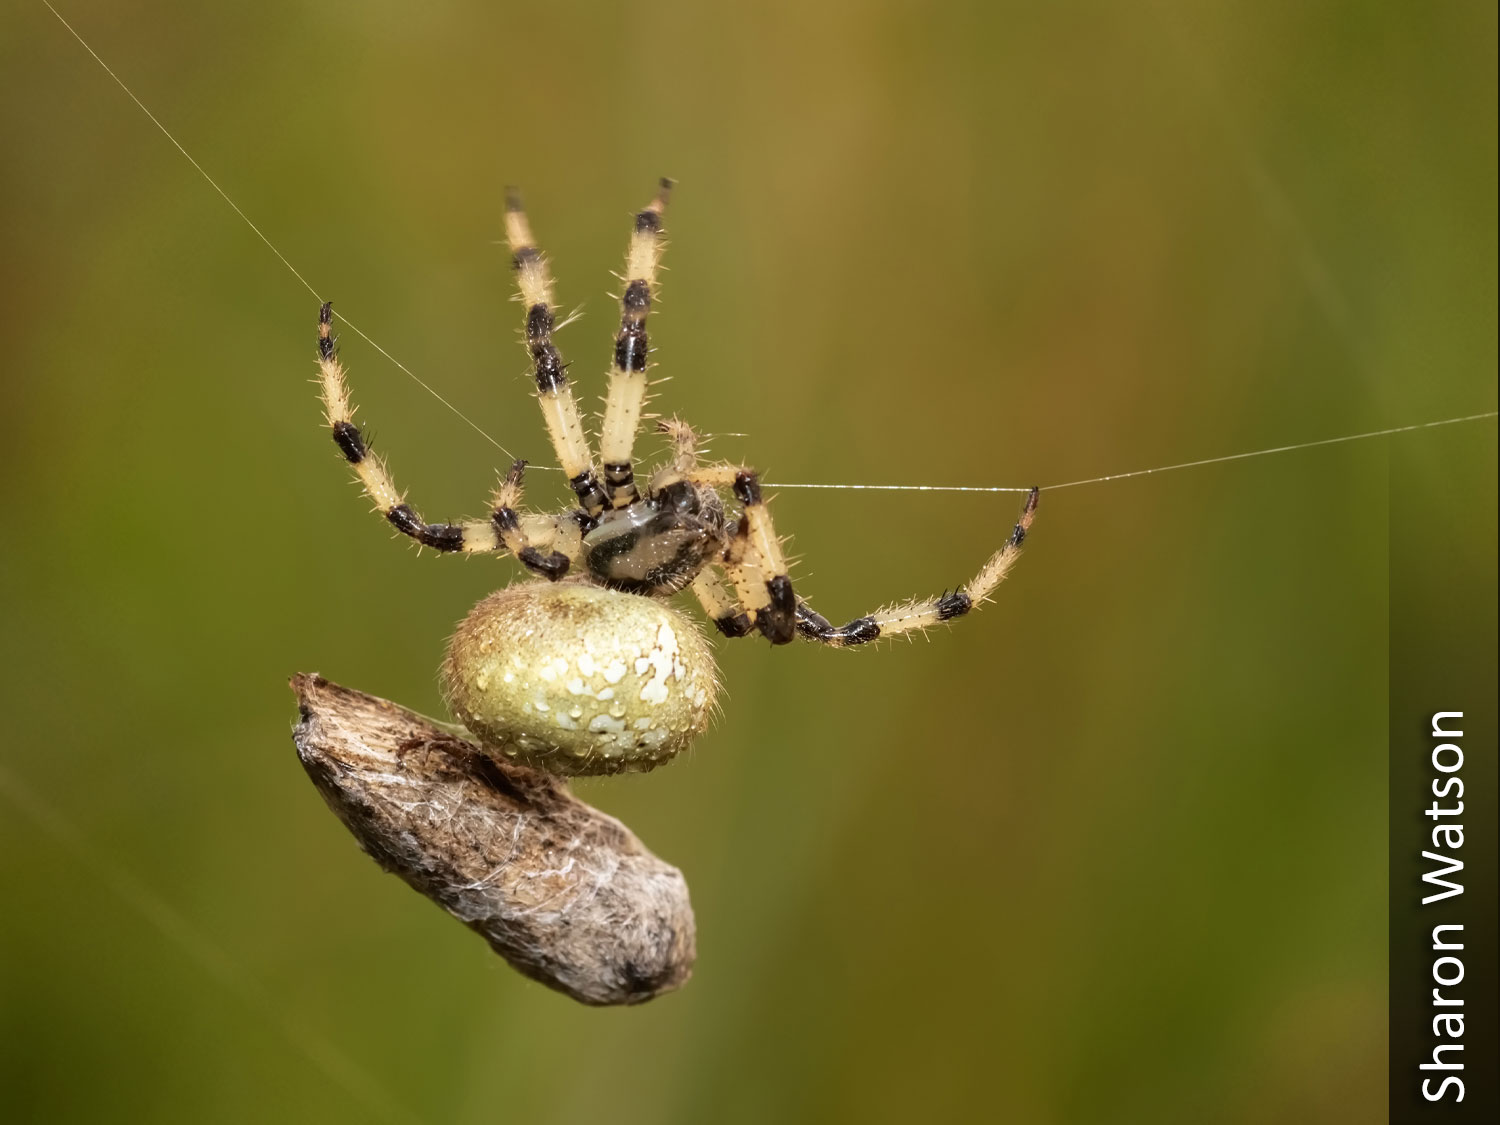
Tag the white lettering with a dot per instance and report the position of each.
(1437, 880)
(1448, 784)
(1455, 767)
(1437, 942)
(1440, 978)
(1452, 836)
(1437, 1095)
(1439, 731)
(1438, 1063)
(1452, 1026)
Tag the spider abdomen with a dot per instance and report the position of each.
(578, 679)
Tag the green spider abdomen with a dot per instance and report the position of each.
(578, 679)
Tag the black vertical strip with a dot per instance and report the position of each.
(1443, 641)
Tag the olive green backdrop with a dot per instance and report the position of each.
(1112, 850)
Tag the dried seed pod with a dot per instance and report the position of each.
(563, 892)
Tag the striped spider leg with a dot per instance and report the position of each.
(918, 615)
(627, 378)
(752, 559)
(764, 598)
(559, 408)
(530, 538)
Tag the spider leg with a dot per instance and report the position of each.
(742, 568)
(722, 610)
(753, 559)
(627, 380)
(471, 536)
(917, 615)
(528, 537)
(559, 410)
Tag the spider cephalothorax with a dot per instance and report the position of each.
(591, 671)
(659, 543)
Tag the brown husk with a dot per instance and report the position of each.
(566, 894)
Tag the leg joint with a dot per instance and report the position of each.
(637, 299)
(351, 443)
(551, 566)
(953, 605)
(327, 345)
(586, 487)
(551, 376)
(747, 488)
(441, 536)
(631, 348)
(778, 621)
(734, 624)
(538, 322)
(860, 631)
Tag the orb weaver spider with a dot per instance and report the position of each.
(589, 671)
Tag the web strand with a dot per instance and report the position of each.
(1149, 472)
(839, 487)
(260, 234)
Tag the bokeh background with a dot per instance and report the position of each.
(1112, 850)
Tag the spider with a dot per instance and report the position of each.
(589, 671)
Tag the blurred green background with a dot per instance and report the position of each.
(1112, 850)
